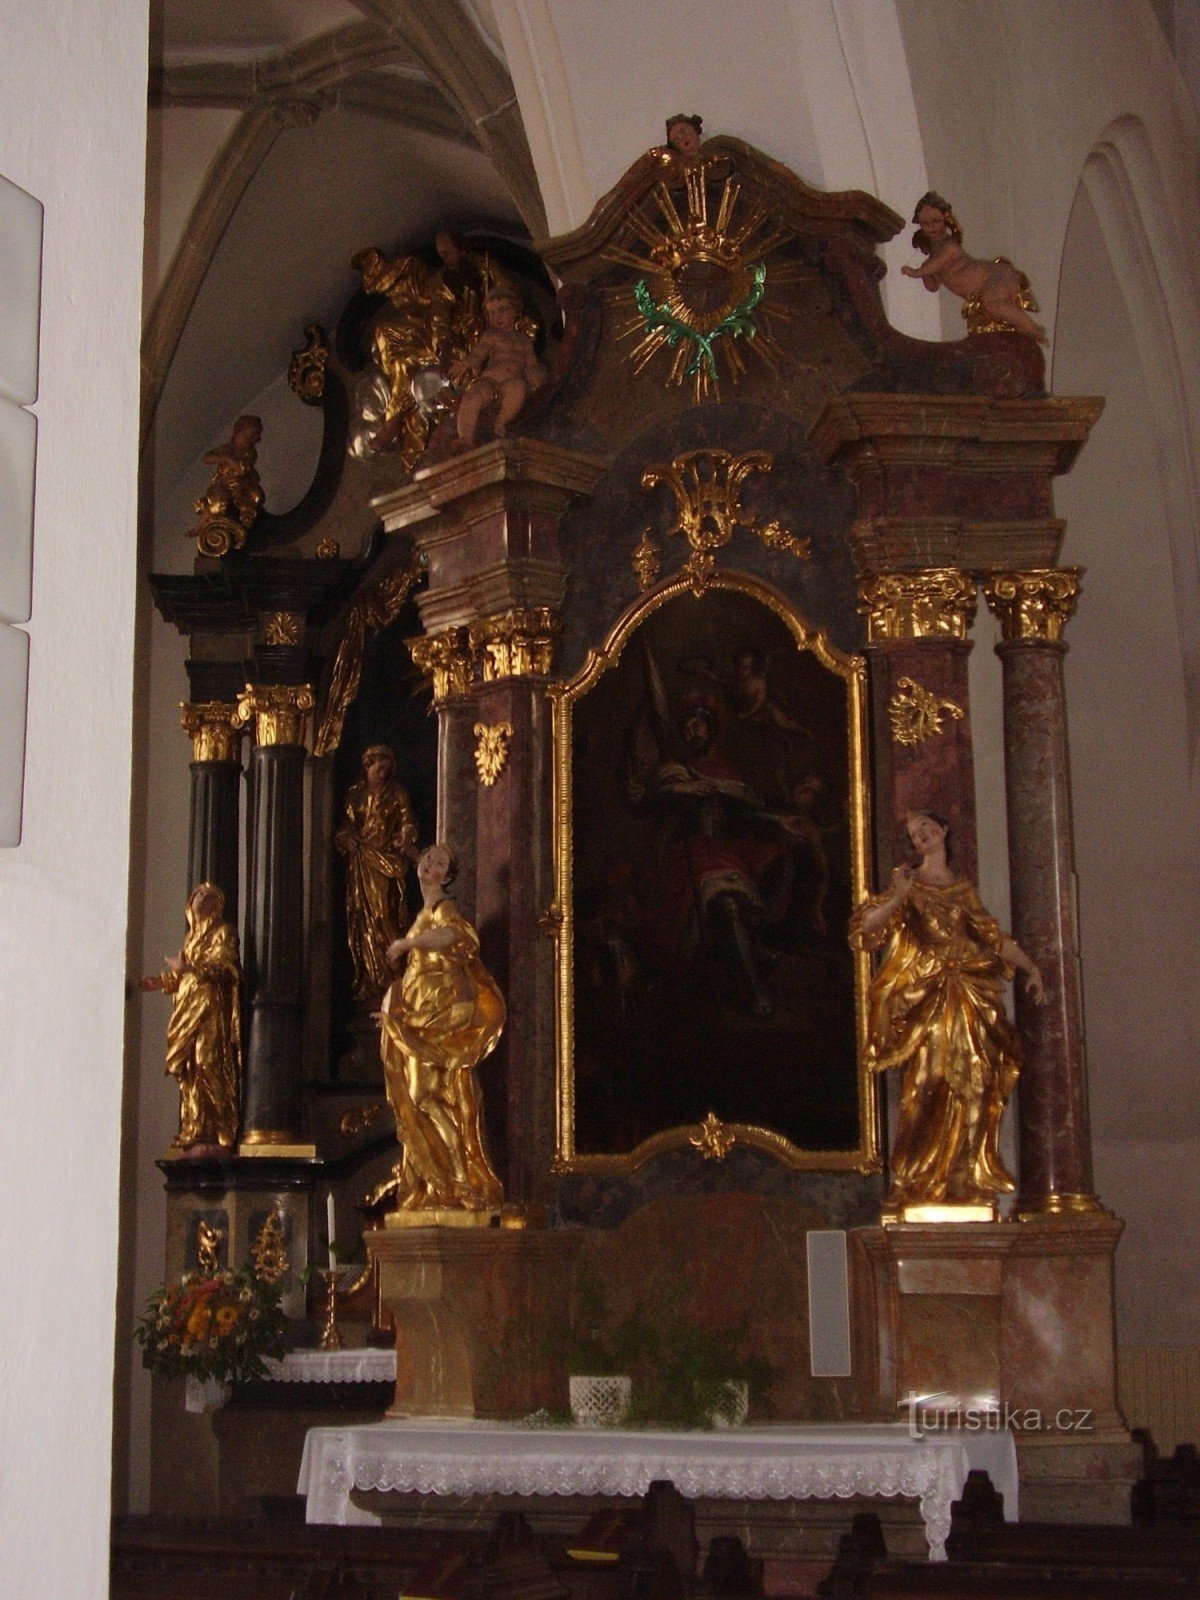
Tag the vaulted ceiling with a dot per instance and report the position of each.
(284, 135)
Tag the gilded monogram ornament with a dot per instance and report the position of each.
(938, 603)
(917, 714)
(491, 750)
(702, 289)
(1033, 605)
(707, 485)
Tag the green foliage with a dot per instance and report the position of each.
(222, 1325)
(681, 1371)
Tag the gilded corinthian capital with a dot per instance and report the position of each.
(214, 730)
(935, 604)
(444, 659)
(278, 709)
(517, 643)
(1033, 605)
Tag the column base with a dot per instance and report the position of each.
(1060, 1205)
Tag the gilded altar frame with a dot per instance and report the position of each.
(710, 1137)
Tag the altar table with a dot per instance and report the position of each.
(784, 1462)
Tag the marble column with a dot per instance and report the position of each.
(514, 752)
(918, 647)
(216, 769)
(1055, 1138)
(274, 941)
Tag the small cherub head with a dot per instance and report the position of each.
(502, 306)
(935, 219)
(684, 133)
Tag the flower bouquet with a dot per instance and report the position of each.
(220, 1325)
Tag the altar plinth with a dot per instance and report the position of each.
(961, 1324)
(465, 1304)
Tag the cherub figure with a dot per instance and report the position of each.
(503, 363)
(235, 495)
(992, 290)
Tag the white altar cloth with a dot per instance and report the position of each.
(783, 1462)
(333, 1366)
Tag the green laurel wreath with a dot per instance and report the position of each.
(737, 323)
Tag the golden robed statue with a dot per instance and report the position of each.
(204, 1035)
(937, 1012)
(378, 839)
(438, 1022)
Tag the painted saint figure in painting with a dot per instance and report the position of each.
(438, 1022)
(204, 1035)
(937, 1013)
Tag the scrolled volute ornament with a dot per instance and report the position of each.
(1035, 605)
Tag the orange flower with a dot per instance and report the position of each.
(197, 1323)
(226, 1319)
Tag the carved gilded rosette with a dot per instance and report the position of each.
(278, 709)
(1033, 606)
(444, 659)
(215, 732)
(516, 644)
(938, 603)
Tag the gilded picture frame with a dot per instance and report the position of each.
(801, 654)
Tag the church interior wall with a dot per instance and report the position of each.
(74, 137)
(1002, 116)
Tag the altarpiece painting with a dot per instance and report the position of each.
(711, 816)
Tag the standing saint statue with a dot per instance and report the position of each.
(438, 1022)
(204, 1035)
(937, 1012)
(378, 839)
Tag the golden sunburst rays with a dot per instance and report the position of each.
(702, 290)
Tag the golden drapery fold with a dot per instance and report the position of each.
(204, 1035)
(376, 838)
(936, 1011)
(439, 1021)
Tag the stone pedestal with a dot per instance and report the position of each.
(1010, 1319)
(469, 1307)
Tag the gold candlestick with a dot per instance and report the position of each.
(331, 1339)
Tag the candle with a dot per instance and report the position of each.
(330, 1226)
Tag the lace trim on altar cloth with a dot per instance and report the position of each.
(743, 1464)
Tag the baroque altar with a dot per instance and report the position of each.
(666, 642)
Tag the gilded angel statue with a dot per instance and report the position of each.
(937, 1013)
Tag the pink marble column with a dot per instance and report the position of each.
(1055, 1137)
(918, 649)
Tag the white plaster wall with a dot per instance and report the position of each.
(72, 132)
(820, 85)
(182, 144)
(1011, 101)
